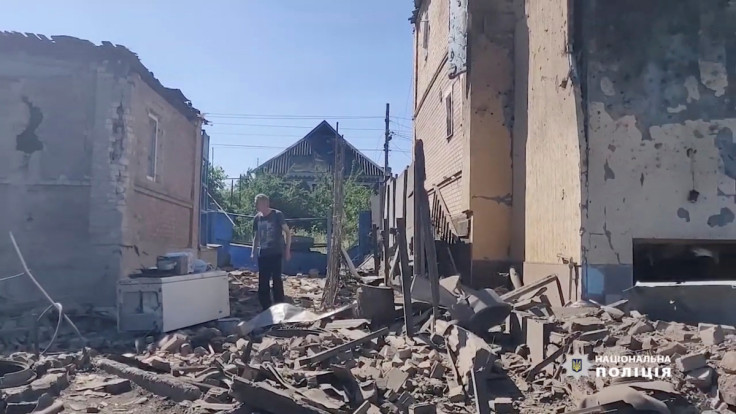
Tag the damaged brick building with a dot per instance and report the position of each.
(591, 138)
(100, 167)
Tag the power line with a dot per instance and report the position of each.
(282, 148)
(403, 125)
(256, 134)
(293, 126)
(276, 116)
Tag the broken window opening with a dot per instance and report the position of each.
(425, 37)
(449, 112)
(684, 260)
(153, 147)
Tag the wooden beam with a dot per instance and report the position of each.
(427, 231)
(446, 210)
(534, 287)
(349, 262)
(332, 282)
(325, 355)
(405, 275)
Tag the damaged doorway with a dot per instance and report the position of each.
(684, 260)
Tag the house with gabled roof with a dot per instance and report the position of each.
(313, 156)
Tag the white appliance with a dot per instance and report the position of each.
(165, 304)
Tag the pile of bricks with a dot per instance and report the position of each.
(679, 366)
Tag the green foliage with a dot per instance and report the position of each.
(294, 198)
(216, 184)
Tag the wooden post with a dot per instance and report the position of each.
(425, 224)
(405, 275)
(376, 255)
(419, 262)
(385, 232)
(334, 255)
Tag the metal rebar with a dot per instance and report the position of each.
(43, 291)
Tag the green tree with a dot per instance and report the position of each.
(216, 185)
(294, 199)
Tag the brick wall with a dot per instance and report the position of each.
(444, 156)
(60, 201)
(489, 131)
(553, 184)
(162, 214)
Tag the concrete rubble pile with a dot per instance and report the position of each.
(489, 352)
(701, 359)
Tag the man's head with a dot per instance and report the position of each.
(263, 204)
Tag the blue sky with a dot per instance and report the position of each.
(266, 70)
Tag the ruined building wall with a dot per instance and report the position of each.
(660, 90)
(443, 154)
(490, 117)
(553, 146)
(162, 213)
(57, 193)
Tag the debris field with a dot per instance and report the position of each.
(357, 358)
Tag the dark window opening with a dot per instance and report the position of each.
(684, 260)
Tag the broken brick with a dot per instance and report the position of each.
(691, 362)
(701, 377)
(503, 405)
(456, 394)
(537, 334)
(593, 336)
(712, 335)
(423, 408)
(172, 343)
(641, 327)
(582, 347)
(409, 369)
(614, 313)
(437, 371)
(367, 408)
(671, 349)
(395, 380)
(629, 342)
(117, 386)
(586, 324)
(158, 363)
(50, 383)
(404, 401)
(661, 326)
(678, 333)
(648, 343)
(728, 362)
(404, 353)
(727, 388)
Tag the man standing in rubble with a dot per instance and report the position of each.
(269, 231)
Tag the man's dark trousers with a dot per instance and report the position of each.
(269, 269)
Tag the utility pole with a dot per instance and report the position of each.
(386, 176)
(387, 138)
(334, 254)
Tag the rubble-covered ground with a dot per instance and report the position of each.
(341, 363)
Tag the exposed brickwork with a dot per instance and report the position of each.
(161, 211)
(71, 203)
(473, 165)
(444, 156)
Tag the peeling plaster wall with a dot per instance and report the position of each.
(57, 192)
(661, 83)
(491, 105)
(162, 213)
(553, 147)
